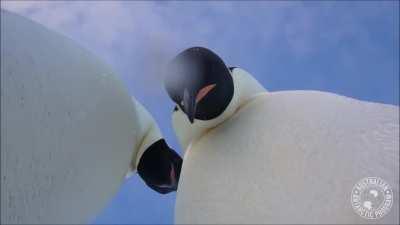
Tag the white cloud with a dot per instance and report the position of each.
(137, 38)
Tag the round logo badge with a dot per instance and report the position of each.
(372, 198)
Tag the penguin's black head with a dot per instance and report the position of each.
(200, 83)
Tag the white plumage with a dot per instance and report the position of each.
(285, 157)
(69, 129)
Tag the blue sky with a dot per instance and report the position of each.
(349, 48)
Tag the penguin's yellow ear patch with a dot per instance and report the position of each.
(204, 91)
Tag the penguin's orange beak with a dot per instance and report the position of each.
(190, 101)
(203, 92)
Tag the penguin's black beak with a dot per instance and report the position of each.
(189, 105)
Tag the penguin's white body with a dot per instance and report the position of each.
(69, 129)
(285, 157)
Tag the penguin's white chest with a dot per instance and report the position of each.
(289, 157)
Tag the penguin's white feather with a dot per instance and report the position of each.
(148, 132)
(69, 128)
(286, 157)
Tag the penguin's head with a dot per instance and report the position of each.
(200, 84)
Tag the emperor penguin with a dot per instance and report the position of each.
(258, 157)
(69, 130)
(156, 163)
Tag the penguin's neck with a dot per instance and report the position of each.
(245, 89)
